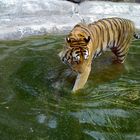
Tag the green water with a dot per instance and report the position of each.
(36, 101)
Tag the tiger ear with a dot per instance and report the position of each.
(87, 39)
(68, 39)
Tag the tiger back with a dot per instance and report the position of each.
(86, 42)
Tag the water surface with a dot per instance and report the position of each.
(36, 101)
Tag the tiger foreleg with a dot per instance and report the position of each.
(81, 78)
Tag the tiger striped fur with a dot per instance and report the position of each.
(86, 42)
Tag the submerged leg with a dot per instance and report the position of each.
(82, 78)
(121, 53)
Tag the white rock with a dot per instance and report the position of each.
(20, 18)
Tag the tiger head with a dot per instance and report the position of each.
(76, 51)
(77, 39)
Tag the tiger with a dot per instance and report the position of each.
(85, 42)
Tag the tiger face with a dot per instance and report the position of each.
(76, 50)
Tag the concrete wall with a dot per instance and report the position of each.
(21, 18)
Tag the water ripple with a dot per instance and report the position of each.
(36, 100)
